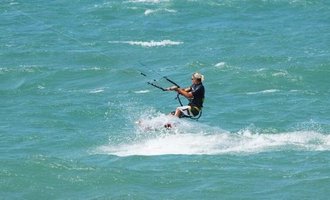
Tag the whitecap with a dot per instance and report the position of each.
(147, 1)
(220, 65)
(264, 91)
(97, 90)
(40, 87)
(151, 11)
(151, 43)
(280, 74)
(91, 69)
(141, 91)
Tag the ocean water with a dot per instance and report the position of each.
(72, 93)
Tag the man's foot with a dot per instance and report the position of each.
(168, 126)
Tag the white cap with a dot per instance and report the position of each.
(199, 76)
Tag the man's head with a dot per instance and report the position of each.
(197, 77)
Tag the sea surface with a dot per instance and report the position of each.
(78, 119)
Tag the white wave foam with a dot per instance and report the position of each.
(92, 69)
(264, 91)
(148, 1)
(151, 43)
(141, 91)
(220, 143)
(188, 137)
(96, 90)
(40, 87)
(280, 74)
(220, 65)
(151, 11)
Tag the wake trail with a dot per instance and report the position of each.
(194, 138)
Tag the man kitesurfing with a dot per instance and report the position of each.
(195, 94)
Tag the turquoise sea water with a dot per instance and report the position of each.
(71, 92)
